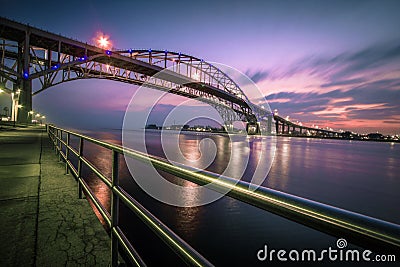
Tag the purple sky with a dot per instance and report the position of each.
(328, 63)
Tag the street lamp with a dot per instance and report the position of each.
(103, 41)
(196, 76)
(30, 113)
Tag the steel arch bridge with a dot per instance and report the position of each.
(28, 53)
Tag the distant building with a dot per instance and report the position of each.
(375, 136)
(153, 127)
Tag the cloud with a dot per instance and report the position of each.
(370, 102)
(355, 86)
(340, 69)
(257, 76)
(343, 82)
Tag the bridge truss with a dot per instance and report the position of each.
(28, 53)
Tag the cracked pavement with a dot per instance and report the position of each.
(43, 223)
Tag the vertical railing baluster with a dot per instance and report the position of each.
(60, 134)
(55, 141)
(114, 208)
(66, 154)
(80, 167)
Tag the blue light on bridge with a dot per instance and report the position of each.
(150, 50)
(83, 58)
(130, 51)
(55, 67)
(108, 52)
(26, 75)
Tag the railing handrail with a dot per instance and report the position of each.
(178, 245)
(359, 229)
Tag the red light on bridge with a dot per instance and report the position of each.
(103, 41)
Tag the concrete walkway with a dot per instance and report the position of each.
(42, 222)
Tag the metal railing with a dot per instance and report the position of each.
(359, 229)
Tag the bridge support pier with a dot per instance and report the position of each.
(253, 128)
(269, 124)
(25, 102)
(228, 125)
(24, 83)
(283, 127)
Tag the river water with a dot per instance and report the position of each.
(359, 176)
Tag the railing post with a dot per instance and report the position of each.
(80, 166)
(55, 141)
(59, 144)
(114, 208)
(66, 154)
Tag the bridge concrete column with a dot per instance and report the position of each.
(253, 128)
(228, 125)
(269, 124)
(25, 84)
(277, 126)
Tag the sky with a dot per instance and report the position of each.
(328, 63)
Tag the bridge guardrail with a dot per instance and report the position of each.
(359, 229)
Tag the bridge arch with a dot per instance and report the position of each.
(53, 59)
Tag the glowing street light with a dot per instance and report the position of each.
(196, 76)
(1, 90)
(103, 41)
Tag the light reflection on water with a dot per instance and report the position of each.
(359, 176)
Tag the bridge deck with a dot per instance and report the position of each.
(43, 223)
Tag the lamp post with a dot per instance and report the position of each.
(30, 114)
(37, 116)
(14, 105)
